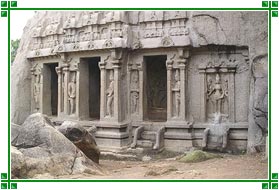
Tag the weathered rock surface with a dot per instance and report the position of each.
(39, 148)
(258, 129)
(20, 74)
(81, 138)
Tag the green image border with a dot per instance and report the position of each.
(270, 183)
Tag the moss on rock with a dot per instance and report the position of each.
(198, 156)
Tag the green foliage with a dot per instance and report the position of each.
(198, 156)
(14, 45)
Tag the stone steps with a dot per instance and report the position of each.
(145, 143)
(148, 135)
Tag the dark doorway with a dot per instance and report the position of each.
(90, 88)
(94, 88)
(50, 93)
(156, 88)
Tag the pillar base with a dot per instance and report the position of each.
(111, 134)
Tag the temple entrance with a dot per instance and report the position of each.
(91, 75)
(50, 89)
(155, 88)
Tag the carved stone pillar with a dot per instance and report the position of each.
(202, 95)
(103, 90)
(60, 98)
(41, 94)
(231, 96)
(135, 74)
(32, 70)
(140, 69)
(182, 66)
(66, 81)
(36, 86)
(77, 100)
(169, 89)
(116, 99)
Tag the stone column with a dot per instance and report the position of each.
(129, 77)
(169, 89)
(66, 81)
(182, 66)
(59, 73)
(103, 90)
(140, 69)
(202, 95)
(116, 98)
(41, 93)
(32, 89)
(77, 111)
(231, 97)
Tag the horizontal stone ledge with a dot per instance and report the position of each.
(240, 125)
(173, 41)
(111, 135)
(232, 136)
(96, 123)
(235, 136)
(78, 47)
(111, 125)
(179, 136)
(197, 136)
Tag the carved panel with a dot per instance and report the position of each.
(110, 94)
(72, 91)
(134, 91)
(176, 93)
(113, 27)
(36, 72)
(218, 91)
(217, 97)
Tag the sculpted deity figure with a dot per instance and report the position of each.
(176, 91)
(110, 94)
(72, 94)
(134, 101)
(37, 92)
(216, 93)
(135, 80)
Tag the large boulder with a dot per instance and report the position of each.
(258, 117)
(38, 148)
(20, 73)
(81, 138)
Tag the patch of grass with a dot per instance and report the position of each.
(198, 156)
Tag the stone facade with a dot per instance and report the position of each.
(157, 79)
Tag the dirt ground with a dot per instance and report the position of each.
(228, 167)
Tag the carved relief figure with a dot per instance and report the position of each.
(110, 94)
(216, 93)
(134, 81)
(134, 91)
(134, 101)
(176, 90)
(37, 92)
(72, 94)
(63, 92)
